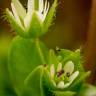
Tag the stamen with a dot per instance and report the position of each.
(68, 74)
(60, 73)
(52, 71)
(59, 67)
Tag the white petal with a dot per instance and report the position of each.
(40, 16)
(67, 85)
(71, 79)
(41, 5)
(73, 76)
(69, 67)
(45, 6)
(27, 19)
(46, 9)
(31, 5)
(52, 71)
(59, 67)
(20, 9)
(15, 14)
(60, 85)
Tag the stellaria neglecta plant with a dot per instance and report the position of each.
(63, 72)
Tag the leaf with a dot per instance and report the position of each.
(33, 81)
(49, 17)
(5, 84)
(39, 83)
(24, 56)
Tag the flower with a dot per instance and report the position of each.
(32, 22)
(58, 77)
(63, 77)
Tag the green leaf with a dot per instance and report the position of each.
(49, 17)
(38, 82)
(33, 81)
(5, 83)
(6, 88)
(24, 56)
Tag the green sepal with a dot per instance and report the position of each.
(34, 28)
(53, 58)
(74, 56)
(33, 81)
(77, 84)
(47, 84)
(14, 24)
(39, 83)
(49, 17)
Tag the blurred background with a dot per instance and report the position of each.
(74, 27)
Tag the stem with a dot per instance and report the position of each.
(40, 51)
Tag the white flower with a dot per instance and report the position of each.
(26, 15)
(33, 21)
(41, 11)
(65, 75)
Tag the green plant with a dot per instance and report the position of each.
(34, 69)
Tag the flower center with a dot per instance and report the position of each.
(60, 73)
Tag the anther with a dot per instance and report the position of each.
(60, 73)
(68, 74)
